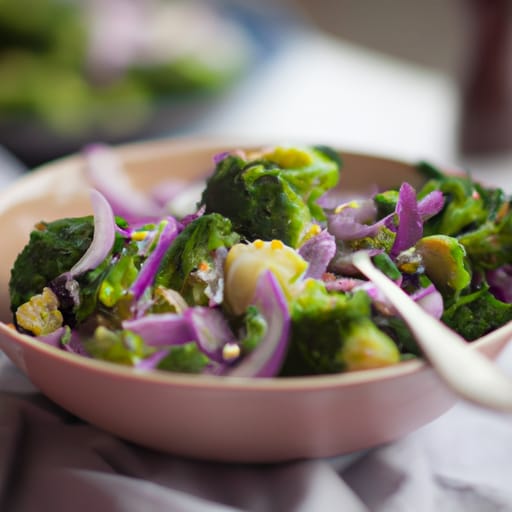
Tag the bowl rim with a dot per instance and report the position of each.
(140, 151)
(226, 383)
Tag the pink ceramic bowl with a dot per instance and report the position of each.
(225, 419)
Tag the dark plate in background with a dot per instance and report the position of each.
(267, 24)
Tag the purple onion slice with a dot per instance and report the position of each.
(410, 225)
(162, 330)
(103, 237)
(218, 157)
(54, 338)
(431, 300)
(104, 170)
(352, 221)
(212, 331)
(430, 205)
(151, 362)
(500, 282)
(346, 228)
(266, 360)
(74, 345)
(150, 267)
(318, 251)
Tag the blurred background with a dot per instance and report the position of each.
(402, 78)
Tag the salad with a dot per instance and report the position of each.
(256, 279)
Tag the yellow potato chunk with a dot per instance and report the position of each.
(40, 315)
(246, 262)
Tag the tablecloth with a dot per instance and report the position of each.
(51, 461)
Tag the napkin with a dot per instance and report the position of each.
(51, 460)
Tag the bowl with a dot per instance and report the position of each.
(209, 417)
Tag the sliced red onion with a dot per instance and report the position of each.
(410, 225)
(266, 360)
(375, 294)
(192, 216)
(354, 221)
(105, 172)
(54, 338)
(147, 273)
(75, 345)
(206, 326)
(430, 300)
(163, 329)
(211, 330)
(362, 210)
(500, 282)
(337, 196)
(217, 158)
(430, 205)
(103, 237)
(151, 362)
(344, 227)
(318, 251)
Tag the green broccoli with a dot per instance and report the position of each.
(45, 261)
(185, 266)
(274, 196)
(465, 204)
(119, 346)
(477, 314)
(251, 327)
(479, 217)
(490, 245)
(52, 250)
(386, 202)
(333, 332)
(186, 358)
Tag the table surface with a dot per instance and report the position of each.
(314, 90)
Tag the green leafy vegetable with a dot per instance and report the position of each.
(186, 358)
(463, 208)
(119, 346)
(477, 314)
(193, 249)
(274, 196)
(332, 332)
(53, 249)
(255, 328)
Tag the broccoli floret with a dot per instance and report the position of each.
(477, 314)
(251, 327)
(490, 245)
(386, 202)
(466, 205)
(398, 330)
(119, 346)
(333, 332)
(274, 196)
(53, 249)
(186, 358)
(479, 217)
(186, 263)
